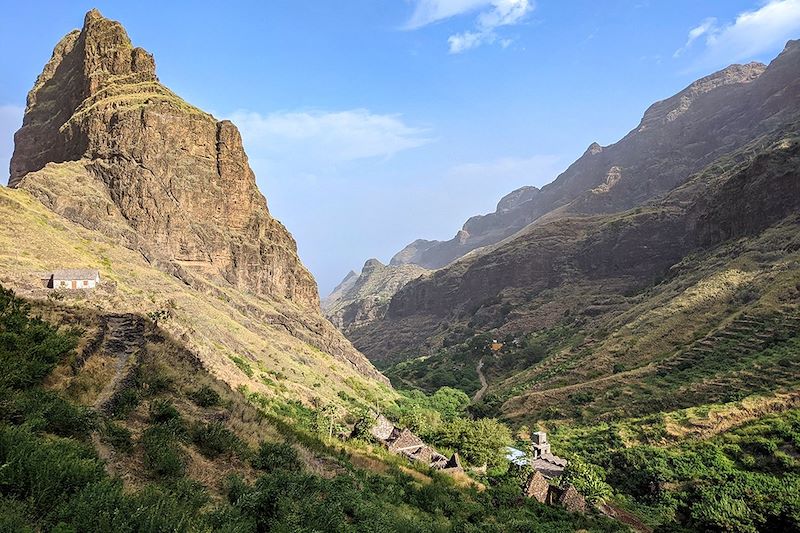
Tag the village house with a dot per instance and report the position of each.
(541, 459)
(78, 278)
(547, 468)
(405, 443)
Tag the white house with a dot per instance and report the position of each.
(78, 278)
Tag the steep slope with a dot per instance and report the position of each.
(171, 179)
(160, 187)
(362, 298)
(683, 302)
(177, 450)
(283, 352)
(676, 137)
(576, 243)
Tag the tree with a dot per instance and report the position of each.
(449, 402)
(478, 441)
(589, 479)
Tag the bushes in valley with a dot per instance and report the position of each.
(51, 478)
(214, 439)
(746, 479)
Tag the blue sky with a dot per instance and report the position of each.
(371, 123)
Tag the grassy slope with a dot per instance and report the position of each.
(718, 467)
(173, 462)
(213, 324)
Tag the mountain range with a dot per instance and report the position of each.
(637, 250)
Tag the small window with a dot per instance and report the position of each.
(63, 283)
(86, 283)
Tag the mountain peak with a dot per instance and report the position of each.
(92, 14)
(673, 107)
(371, 264)
(172, 179)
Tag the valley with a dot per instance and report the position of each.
(616, 350)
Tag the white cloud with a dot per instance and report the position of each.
(492, 15)
(10, 121)
(752, 33)
(327, 137)
(695, 33)
(430, 11)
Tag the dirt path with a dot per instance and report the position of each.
(484, 383)
(123, 341)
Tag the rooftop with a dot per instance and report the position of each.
(75, 273)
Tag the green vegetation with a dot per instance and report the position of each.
(746, 479)
(243, 365)
(452, 366)
(205, 396)
(441, 420)
(51, 478)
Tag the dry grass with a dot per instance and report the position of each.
(35, 240)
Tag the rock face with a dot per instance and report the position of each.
(676, 137)
(176, 176)
(738, 126)
(106, 145)
(362, 299)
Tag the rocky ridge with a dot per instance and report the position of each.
(676, 137)
(106, 145)
(363, 298)
(745, 114)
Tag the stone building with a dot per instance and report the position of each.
(404, 442)
(542, 459)
(77, 278)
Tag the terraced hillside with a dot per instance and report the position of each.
(242, 338)
(688, 300)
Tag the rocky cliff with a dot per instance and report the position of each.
(363, 298)
(714, 125)
(676, 137)
(106, 145)
(178, 177)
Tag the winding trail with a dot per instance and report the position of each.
(123, 340)
(484, 383)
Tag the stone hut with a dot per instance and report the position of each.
(78, 278)
(453, 464)
(568, 497)
(537, 487)
(405, 443)
(403, 439)
(542, 459)
(381, 429)
(572, 500)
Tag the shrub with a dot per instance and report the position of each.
(162, 411)
(205, 396)
(117, 436)
(214, 439)
(243, 365)
(588, 479)
(47, 411)
(162, 454)
(124, 402)
(276, 456)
